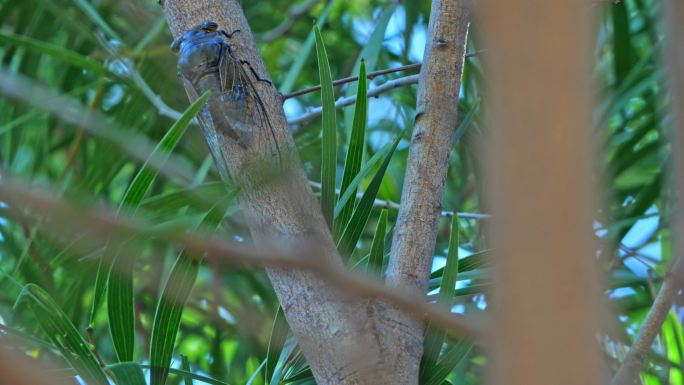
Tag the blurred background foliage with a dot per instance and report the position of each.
(113, 57)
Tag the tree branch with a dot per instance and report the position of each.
(369, 76)
(103, 224)
(395, 206)
(541, 190)
(426, 169)
(347, 101)
(628, 372)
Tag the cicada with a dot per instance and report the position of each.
(206, 61)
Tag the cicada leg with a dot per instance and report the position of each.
(228, 35)
(256, 76)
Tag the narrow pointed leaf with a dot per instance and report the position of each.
(356, 224)
(127, 373)
(303, 54)
(120, 301)
(275, 345)
(434, 336)
(329, 134)
(377, 252)
(59, 52)
(170, 306)
(370, 52)
(63, 334)
(350, 194)
(352, 164)
(452, 357)
(194, 376)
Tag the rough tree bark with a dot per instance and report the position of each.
(415, 233)
(334, 333)
(346, 341)
(546, 300)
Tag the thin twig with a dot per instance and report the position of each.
(343, 102)
(91, 340)
(628, 371)
(350, 79)
(106, 224)
(370, 76)
(395, 206)
(162, 108)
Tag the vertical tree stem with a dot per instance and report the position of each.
(428, 160)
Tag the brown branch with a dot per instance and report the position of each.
(395, 206)
(628, 372)
(546, 302)
(18, 369)
(348, 101)
(370, 76)
(415, 233)
(350, 79)
(104, 224)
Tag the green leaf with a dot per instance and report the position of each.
(623, 50)
(127, 373)
(93, 15)
(171, 303)
(352, 164)
(365, 171)
(469, 263)
(377, 252)
(357, 223)
(370, 52)
(58, 52)
(143, 179)
(275, 346)
(121, 307)
(452, 357)
(673, 341)
(434, 336)
(120, 301)
(329, 128)
(194, 376)
(303, 54)
(185, 365)
(63, 334)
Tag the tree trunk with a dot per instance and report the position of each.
(345, 341)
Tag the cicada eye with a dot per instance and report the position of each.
(209, 26)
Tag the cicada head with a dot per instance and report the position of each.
(207, 27)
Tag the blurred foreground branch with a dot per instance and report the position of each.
(102, 224)
(17, 369)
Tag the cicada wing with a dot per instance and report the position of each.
(233, 99)
(256, 109)
(207, 127)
